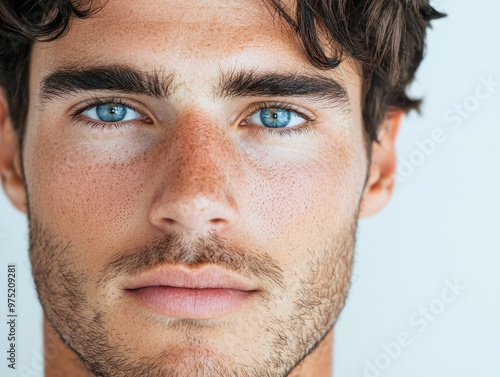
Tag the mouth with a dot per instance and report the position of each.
(180, 292)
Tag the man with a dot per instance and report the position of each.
(193, 173)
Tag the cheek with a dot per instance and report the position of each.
(85, 194)
(304, 198)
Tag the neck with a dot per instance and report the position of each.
(319, 362)
(61, 361)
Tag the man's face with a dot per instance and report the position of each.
(191, 179)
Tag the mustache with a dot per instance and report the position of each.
(210, 249)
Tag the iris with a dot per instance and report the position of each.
(275, 117)
(111, 112)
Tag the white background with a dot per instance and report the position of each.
(440, 228)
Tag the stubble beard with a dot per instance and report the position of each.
(316, 306)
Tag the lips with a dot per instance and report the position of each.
(181, 292)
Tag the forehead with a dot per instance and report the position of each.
(196, 42)
(190, 32)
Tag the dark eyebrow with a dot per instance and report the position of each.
(69, 80)
(65, 81)
(252, 84)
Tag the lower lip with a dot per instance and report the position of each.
(192, 302)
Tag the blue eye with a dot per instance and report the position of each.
(275, 117)
(112, 112)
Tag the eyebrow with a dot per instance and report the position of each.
(253, 84)
(70, 80)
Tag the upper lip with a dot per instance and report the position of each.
(207, 276)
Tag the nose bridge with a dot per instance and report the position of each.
(197, 151)
(195, 191)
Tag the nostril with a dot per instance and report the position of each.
(170, 221)
(216, 224)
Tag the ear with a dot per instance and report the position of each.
(380, 183)
(10, 158)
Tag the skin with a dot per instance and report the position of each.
(196, 178)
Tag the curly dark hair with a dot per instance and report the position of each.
(386, 36)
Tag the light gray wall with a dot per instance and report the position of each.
(442, 223)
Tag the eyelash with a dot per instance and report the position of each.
(282, 132)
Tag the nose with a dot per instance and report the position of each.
(195, 214)
(194, 192)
